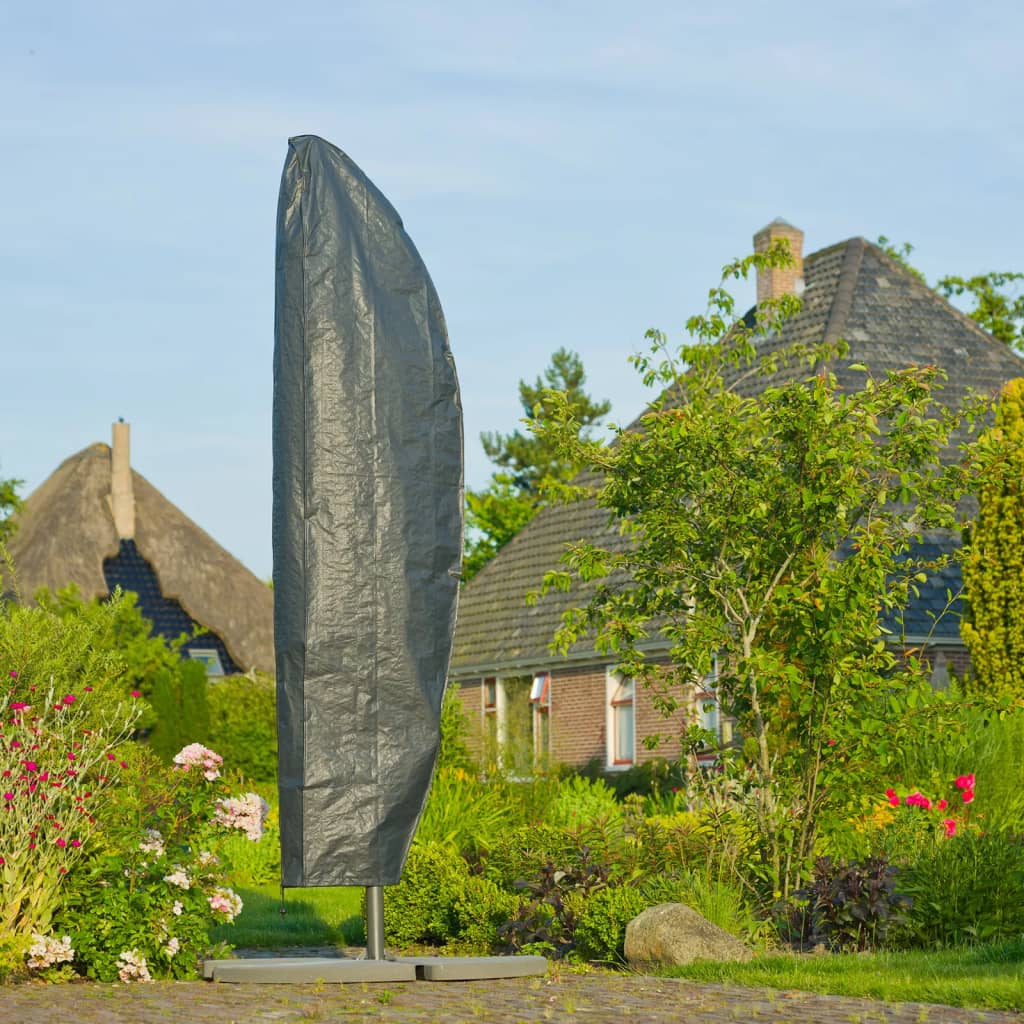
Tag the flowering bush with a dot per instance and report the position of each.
(57, 765)
(245, 812)
(144, 907)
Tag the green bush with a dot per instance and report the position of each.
(463, 813)
(243, 724)
(580, 802)
(455, 752)
(521, 852)
(421, 909)
(855, 905)
(601, 927)
(480, 910)
(966, 889)
(179, 702)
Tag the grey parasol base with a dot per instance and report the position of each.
(299, 970)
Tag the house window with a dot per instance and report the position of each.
(210, 658)
(540, 701)
(707, 711)
(489, 695)
(621, 721)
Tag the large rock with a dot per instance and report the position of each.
(673, 933)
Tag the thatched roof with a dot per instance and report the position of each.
(66, 531)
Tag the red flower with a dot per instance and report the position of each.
(965, 782)
(941, 805)
(950, 826)
(968, 795)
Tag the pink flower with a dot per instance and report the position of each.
(8, 796)
(965, 782)
(69, 698)
(30, 766)
(968, 795)
(76, 842)
(88, 689)
(13, 674)
(71, 757)
(941, 805)
(950, 826)
(136, 693)
(62, 842)
(20, 706)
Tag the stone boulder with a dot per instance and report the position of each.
(673, 933)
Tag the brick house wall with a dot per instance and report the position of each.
(579, 717)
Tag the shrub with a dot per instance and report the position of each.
(481, 908)
(546, 920)
(580, 802)
(966, 889)
(142, 906)
(454, 752)
(855, 905)
(59, 768)
(179, 702)
(601, 929)
(421, 908)
(462, 812)
(522, 851)
(243, 724)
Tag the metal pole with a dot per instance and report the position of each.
(374, 922)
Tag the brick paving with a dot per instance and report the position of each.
(595, 998)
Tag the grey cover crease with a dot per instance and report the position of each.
(367, 523)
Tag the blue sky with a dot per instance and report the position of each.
(571, 172)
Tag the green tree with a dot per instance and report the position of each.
(995, 309)
(993, 627)
(526, 464)
(10, 503)
(733, 508)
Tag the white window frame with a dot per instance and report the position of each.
(615, 682)
(209, 658)
(540, 705)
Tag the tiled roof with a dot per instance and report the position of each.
(889, 318)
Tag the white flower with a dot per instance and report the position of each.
(226, 902)
(153, 843)
(195, 755)
(178, 877)
(172, 947)
(246, 812)
(131, 966)
(46, 951)
(177, 908)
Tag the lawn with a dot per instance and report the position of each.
(989, 976)
(311, 917)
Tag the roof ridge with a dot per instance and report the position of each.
(842, 298)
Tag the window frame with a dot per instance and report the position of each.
(615, 682)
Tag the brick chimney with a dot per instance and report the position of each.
(778, 281)
(122, 498)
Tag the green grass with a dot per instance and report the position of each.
(313, 917)
(989, 977)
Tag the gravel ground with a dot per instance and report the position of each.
(595, 998)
